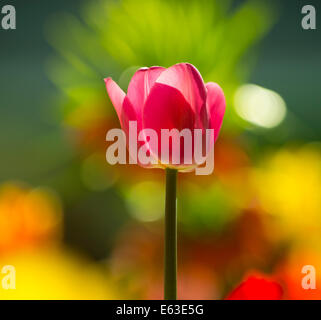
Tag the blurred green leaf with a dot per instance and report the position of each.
(113, 36)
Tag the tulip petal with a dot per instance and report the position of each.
(187, 79)
(125, 112)
(123, 106)
(166, 108)
(116, 95)
(129, 114)
(215, 107)
(140, 86)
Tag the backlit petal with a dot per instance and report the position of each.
(116, 95)
(186, 79)
(166, 108)
(140, 86)
(215, 106)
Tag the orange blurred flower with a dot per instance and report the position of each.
(291, 274)
(28, 217)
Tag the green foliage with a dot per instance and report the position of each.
(113, 36)
(207, 210)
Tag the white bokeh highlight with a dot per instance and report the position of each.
(259, 106)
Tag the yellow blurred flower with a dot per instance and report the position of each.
(30, 230)
(288, 186)
(28, 217)
(55, 274)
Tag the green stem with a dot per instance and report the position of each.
(170, 270)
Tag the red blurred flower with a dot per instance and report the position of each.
(257, 288)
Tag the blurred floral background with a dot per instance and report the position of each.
(75, 227)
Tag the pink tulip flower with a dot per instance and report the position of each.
(172, 98)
